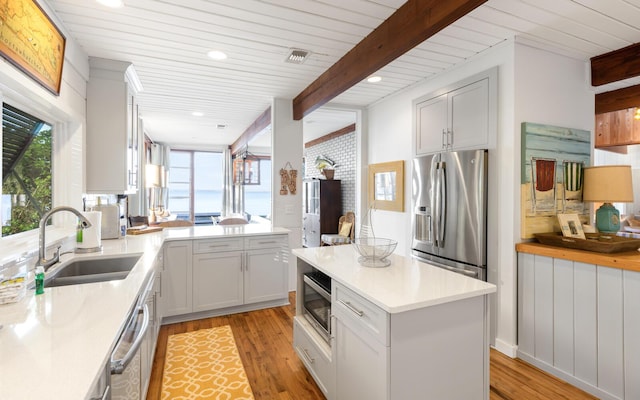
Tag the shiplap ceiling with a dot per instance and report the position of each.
(167, 41)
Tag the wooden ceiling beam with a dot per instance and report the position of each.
(616, 65)
(618, 99)
(335, 134)
(256, 127)
(410, 25)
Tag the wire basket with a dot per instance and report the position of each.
(374, 251)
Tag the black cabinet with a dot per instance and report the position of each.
(322, 208)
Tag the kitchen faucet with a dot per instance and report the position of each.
(42, 260)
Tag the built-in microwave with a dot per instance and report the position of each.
(317, 302)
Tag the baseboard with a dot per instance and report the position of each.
(505, 348)
(224, 311)
(587, 387)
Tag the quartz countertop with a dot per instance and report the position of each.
(407, 284)
(214, 231)
(53, 346)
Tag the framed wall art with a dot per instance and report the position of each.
(553, 159)
(386, 186)
(31, 41)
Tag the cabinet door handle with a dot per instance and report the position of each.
(308, 356)
(352, 308)
(444, 139)
(450, 135)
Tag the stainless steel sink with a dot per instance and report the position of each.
(92, 270)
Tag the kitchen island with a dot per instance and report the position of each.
(407, 331)
(58, 344)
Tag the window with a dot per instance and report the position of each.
(257, 198)
(26, 170)
(195, 185)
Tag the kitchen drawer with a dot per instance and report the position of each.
(307, 345)
(217, 245)
(267, 242)
(367, 317)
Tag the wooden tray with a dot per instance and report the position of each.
(600, 243)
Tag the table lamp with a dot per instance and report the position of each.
(608, 184)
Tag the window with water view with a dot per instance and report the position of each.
(196, 187)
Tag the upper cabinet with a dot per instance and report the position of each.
(113, 127)
(617, 128)
(458, 118)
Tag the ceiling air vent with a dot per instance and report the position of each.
(221, 126)
(297, 56)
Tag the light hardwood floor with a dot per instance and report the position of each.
(265, 342)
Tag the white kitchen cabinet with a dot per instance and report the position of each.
(226, 274)
(177, 283)
(113, 140)
(217, 280)
(577, 321)
(265, 276)
(315, 354)
(360, 353)
(462, 117)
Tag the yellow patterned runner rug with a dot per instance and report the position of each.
(204, 364)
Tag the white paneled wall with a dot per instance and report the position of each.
(581, 322)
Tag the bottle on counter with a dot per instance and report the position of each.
(39, 280)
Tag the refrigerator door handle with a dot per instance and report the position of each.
(442, 206)
(436, 206)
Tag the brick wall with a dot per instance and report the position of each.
(342, 150)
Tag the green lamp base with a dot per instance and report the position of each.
(608, 219)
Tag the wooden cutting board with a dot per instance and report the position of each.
(148, 229)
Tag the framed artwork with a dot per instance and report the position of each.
(553, 159)
(386, 186)
(31, 41)
(571, 226)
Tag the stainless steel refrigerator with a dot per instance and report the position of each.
(449, 216)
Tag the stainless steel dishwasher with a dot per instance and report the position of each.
(130, 366)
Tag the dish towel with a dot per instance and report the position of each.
(545, 173)
(573, 175)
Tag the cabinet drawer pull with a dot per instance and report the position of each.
(308, 356)
(213, 246)
(269, 242)
(352, 308)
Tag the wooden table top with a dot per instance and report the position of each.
(628, 260)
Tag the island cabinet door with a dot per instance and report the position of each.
(361, 363)
(360, 348)
(217, 280)
(176, 278)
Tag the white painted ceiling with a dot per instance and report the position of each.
(167, 42)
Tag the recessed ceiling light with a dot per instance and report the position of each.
(197, 113)
(217, 55)
(374, 79)
(111, 3)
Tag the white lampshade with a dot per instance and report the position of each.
(608, 184)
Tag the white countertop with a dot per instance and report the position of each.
(53, 346)
(407, 284)
(213, 231)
